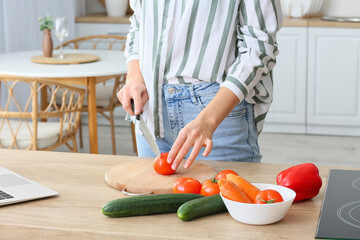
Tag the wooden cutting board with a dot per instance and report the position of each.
(70, 58)
(140, 176)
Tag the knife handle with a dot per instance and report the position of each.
(133, 108)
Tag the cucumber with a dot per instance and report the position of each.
(147, 205)
(201, 207)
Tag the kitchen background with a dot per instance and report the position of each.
(316, 80)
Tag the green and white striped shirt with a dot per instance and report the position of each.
(232, 42)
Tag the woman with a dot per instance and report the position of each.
(200, 71)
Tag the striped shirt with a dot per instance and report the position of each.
(232, 42)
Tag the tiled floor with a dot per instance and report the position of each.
(275, 148)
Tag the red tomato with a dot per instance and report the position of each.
(161, 165)
(210, 187)
(268, 196)
(222, 174)
(187, 185)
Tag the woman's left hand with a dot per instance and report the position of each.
(196, 134)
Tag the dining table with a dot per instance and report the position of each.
(110, 64)
(76, 212)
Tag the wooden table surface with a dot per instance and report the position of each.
(76, 212)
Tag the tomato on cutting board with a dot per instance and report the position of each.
(222, 174)
(268, 196)
(187, 185)
(161, 165)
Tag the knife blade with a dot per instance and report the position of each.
(148, 136)
(146, 131)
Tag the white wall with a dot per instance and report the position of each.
(94, 6)
(19, 28)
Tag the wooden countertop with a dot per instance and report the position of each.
(76, 212)
(287, 22)
(102, 18)
(317, 22)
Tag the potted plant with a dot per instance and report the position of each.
(46, 24)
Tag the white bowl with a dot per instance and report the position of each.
(261, 214)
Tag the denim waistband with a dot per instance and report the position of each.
(184, 91)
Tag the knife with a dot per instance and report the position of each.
(145, 130)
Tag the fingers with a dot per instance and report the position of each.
(137, 104)
(125, 101)
(181, 154)
(144, 99)
(136, 92)
(196, 149)
(193, 154)
(208, 147)
(185, 141)
(173, 157)
(119, 96)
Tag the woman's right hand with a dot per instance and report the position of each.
(134, 88)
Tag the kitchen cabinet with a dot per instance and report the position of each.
(100, 23)
(333, 105)
(288, 111)
(317, 80)
(86, 29)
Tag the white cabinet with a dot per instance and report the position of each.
(333, 105)
(288, 110)
(86, 29)
(317, 82)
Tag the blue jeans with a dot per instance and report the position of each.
(235, 139)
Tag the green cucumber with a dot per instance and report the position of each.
(147, 205)
(201, 207)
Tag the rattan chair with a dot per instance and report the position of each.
(106, 99)
(26, 126)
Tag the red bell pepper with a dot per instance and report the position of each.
(304, 179)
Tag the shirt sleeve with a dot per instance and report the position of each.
(132, 42)
(259, 21)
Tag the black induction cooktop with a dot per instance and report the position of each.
(340, 213)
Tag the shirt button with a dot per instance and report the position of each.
(171, 90)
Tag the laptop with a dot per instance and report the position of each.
(15, 188)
